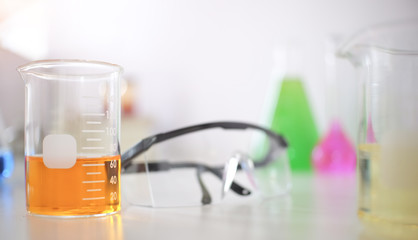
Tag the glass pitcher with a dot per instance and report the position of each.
(386, 59)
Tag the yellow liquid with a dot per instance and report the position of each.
(388, 189)
(90, 187)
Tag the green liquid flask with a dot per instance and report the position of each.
(293, 119)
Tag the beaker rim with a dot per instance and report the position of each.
(37, 68)
(395, 38)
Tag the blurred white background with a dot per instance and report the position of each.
(190, 61)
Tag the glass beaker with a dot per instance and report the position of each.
(72, 153)
(386, 59)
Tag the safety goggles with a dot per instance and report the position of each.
(202, 164)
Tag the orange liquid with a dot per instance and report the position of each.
(90, 187)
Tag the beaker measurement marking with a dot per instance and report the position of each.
(94, 122)
(94, 181)
(92, 148)
(93, 164)
(94, 173)
(94, 190)
(92, 131)
(93, 139)
(94, 114)
(93, 198)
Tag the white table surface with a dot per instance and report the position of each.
(319, 207)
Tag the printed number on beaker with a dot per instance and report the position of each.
(113, 180)
(113, 196)
(113, 147)
(109, 114)
(111, 131)
(113, 164)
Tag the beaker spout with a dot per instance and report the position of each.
(27, 70)
(395, 38)
(23, 75)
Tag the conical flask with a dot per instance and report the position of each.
(334, 153)
(292, 115)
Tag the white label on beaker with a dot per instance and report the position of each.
(59, 151)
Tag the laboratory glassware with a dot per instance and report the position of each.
(291, 114)
(386, 61)
(72, 153)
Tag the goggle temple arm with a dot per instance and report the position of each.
(230, 170)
